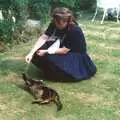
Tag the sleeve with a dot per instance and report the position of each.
(76, 40)
(50, 29)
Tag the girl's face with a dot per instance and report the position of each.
(61, 24)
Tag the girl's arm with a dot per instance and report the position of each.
(62, 51)
(41, 41)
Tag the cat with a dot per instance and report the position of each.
(42, 93)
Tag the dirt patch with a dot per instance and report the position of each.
(51, 118)
(108, 58)
(88, 98)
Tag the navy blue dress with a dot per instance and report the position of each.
(75, 65)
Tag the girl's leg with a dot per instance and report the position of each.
(50, 70)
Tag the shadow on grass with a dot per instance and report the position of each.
(16, 66)
(19, 66)
(23, 87)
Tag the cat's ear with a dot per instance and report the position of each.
(24, 76)
(27, 81)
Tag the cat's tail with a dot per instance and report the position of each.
(58, 103)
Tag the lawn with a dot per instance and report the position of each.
(94, 99)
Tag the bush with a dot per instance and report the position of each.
(75, 5)
(39, 10)
(16, 8)
(6, 31)
(34, 9)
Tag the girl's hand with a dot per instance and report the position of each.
(42, 52)
(28, 57)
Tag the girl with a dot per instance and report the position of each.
(61, 51)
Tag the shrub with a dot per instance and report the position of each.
(34, 9)
(39, 9)
(6, 31)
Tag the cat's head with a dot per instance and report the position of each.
(30, 82)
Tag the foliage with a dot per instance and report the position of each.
(10, 8)
(84, 4)
(19, 8)
(5, 4)
(39, 9)
(5, 30)
(32, 9)
(76, 5)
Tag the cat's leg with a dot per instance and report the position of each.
(40, 101)
(37, 101)
(44, 101)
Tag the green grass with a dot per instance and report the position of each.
(95, 99)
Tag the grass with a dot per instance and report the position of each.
(95, 99)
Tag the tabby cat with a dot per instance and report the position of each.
(42, 93)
